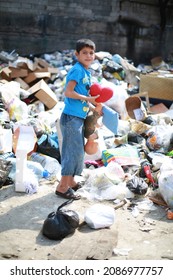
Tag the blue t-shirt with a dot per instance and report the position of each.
(82, 76)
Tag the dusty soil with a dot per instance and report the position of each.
(147, 236)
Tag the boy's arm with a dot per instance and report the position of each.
(69, 92)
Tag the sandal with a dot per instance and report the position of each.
(77, 187)
(69, 194)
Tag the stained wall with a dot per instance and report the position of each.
(133, 29)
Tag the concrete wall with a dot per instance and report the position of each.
(129, 28)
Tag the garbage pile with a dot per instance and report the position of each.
(137, 162)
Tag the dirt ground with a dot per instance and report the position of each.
(146, 236)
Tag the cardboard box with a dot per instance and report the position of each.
(158, 108)
(18, 72)
(145, 95)
(25, 63)
(24, 140)
(5, 73)
(36, 75)
(22, 83)
(53, 70)
(42, 62)
(43, 92)
(157, 86)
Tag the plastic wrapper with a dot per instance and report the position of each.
(124, 155)
(99, 216)
(17, 109)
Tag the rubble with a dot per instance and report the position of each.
(31, 94)
(32, 91)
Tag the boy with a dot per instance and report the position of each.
(77, 101)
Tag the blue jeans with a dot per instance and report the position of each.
(72, 154)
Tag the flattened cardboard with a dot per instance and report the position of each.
(110, 119)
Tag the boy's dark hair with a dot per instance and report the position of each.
(84, 43)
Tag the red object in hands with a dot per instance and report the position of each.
(105, 92)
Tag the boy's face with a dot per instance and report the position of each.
(86, 56)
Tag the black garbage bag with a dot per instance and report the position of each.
(137, 185)
(135, 138)
(61, 223)
(48, 146)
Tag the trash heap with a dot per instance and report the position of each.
(136, 162)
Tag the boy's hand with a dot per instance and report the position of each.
(92, 99)
(98, 108)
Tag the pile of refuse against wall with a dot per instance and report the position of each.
(138, 157)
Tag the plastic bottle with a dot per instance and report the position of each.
(143, 162)
(48, 163)
(148, 174)
(36, 167)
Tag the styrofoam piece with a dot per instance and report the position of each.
(21, 169)
(25, 141)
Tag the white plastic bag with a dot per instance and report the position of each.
(5, 140)
(165, 182)
(17, 109)
(159, 138)
(119, 191)
(99, 187)
(99, 216)
(114, 172)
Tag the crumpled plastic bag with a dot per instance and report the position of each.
(159, 138)
(98, 186)
(117, 101)
(165, 182)
(137, 185)
(30, 182)
(17, 109)
(99, 216)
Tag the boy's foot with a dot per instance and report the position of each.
(77, 187)
(69, 194)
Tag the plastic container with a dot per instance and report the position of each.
(36, 168)
(48, 163)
